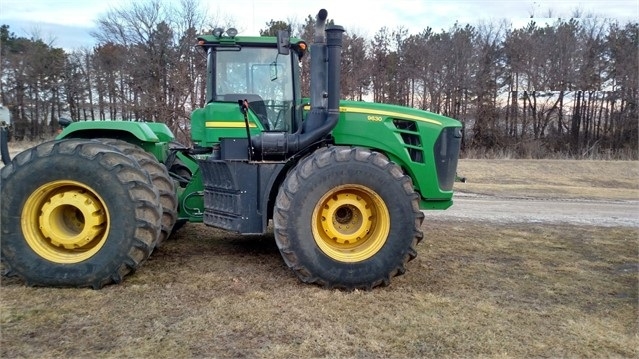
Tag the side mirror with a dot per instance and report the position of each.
(283, 42)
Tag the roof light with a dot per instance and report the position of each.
(232, 32)
(218, 31)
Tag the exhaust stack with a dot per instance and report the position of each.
(318, 62)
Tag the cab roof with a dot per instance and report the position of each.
(263, 41)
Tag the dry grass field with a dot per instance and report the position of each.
(582, 179)
(475, 290)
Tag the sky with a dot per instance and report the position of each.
(68, 23)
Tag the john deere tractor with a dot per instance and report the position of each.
(344, 183)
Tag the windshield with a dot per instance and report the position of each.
(262, 77)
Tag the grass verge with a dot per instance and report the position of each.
(474, 290)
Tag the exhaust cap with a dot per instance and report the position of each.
(320, 23)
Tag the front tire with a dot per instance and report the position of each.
(76, 213)
(347, 218)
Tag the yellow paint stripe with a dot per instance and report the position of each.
(384, 113)
(229, 124)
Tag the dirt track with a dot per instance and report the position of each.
(517, 210)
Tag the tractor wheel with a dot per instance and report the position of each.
(76, 213)
(161, 181)
(347, 218)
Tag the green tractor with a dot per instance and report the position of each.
(344, 182)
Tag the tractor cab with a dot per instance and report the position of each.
(261, 72)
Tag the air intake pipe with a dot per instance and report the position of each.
(324, 113)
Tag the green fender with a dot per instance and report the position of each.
(153, 137)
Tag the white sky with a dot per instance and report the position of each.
(68, 22)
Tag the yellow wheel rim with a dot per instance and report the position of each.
(350, 223)
(65, 221)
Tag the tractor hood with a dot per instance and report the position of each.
(377, 112)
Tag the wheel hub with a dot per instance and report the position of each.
(71, 219)
(350, 223)
(346, 218)
(65, 221)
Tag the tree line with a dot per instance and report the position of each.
(566, 88)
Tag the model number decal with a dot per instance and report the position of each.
(375, 118)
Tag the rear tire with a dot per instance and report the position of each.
(347, 218)
(160, 179)
(76, 213)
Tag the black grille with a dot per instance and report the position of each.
(446, 155)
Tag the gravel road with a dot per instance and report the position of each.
(523, 210)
